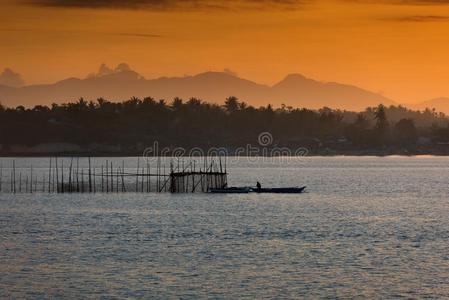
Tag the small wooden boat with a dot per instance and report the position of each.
(246, 190)
(231, 190)
(287, 190)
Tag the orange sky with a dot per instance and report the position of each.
(401, 50)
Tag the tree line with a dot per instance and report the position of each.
(136, 123)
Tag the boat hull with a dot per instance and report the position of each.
(292, 190)
(246, 190)
(230, 191)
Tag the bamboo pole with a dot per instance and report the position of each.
(143, 174)
(43, 182)
(147, 177)
(57, 176)
(53, 180)
(112, 178)
(70, 175)
(193, 178)
(102, 179)
(82, 180)
(49, 178)
(201, 181)
(95, 184)
(158, 174)
(62, 176)
(137, 175)
(14, 172)
(225, 164)
(31, 178)
(140, 174)
(216, 181)
(77, 175)
(123, 176)
(107, 173)
(117, 179)
(172, 186)
(90, 178)
(165, 180)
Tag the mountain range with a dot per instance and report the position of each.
(439, 104)
(122, 83)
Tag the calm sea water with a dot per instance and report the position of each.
(367, 227)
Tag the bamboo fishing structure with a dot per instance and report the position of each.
(67, 175)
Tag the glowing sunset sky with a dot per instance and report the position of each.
(399, 48)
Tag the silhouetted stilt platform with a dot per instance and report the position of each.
(112, 178)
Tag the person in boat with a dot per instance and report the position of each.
(258, 186)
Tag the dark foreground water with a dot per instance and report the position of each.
(368, 227)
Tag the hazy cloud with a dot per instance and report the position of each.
(230, 72)
(167, 5)
(403, 2)
(122, 67)
(105, 70)
(173, 4)
(422, 19)
(141, 35)
(421, 2)
(10, 78)
(69, 32)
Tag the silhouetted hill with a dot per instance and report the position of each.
(211, 86)
(123, 83)
(296, 88)
(440, 105)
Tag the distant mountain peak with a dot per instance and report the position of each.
(444, 99)
(293, 79)
(224, 78)
(10, 78)
(122, 70)
(439, 103)
(295, 76)
(215, 75)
